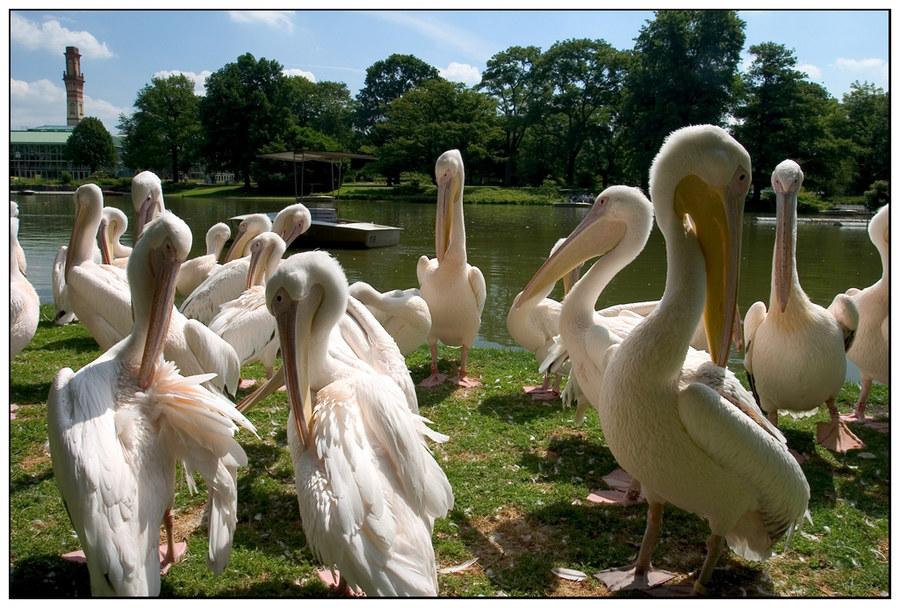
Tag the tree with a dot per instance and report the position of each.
(866, 110)
(165, 129)
(434, 117)
(387, 80)
(324, 106)
(245, 107)
(512, 79)
(91, 144)
(685, 73)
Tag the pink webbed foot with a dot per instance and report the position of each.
(541, 393)
(435, 379)
(179, 550)
(465, 381)
(626, 578)
(339, 584)
(837, 437)
(624, 490)
(860, 418)
(246, 383)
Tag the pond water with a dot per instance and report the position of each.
(507, 242)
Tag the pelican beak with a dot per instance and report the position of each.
(104, 239)
(164, 265)
(571, 278)
(271, 385)
(76, 228)
(785, 239)
(146, 213)
(294, 320)
(715, 215)
(443, 217)
(239, 238)
(296, 229)
(255, 269)
(593, 237)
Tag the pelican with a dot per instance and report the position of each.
(113, 223)
(403, 313)
(686, 443)
(869, 351)
(454, 290)
(244, 322)
(796, 352)
(368, 488)
(198, 269)
(118, 426)
(101, 298)
(19, 252)
(533, 323)
(147, 198)
(229, 281)
(24, 305)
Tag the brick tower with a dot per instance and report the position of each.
(74, 87)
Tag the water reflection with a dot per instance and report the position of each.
(507, 242)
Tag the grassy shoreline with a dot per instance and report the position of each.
(520, 470)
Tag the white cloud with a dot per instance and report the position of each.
(199, 79)
(440, 33)
(51, 36)
(34, 104)
(813, 71)
(461, 72)
(871, 68)
(298, 72)
(278, 19)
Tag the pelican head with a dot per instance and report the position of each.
(113, 223)
(265, 254)
(307, 295)
(698, 184)
(786, 180)
(619, 215)
(291, 222)
(450, 176)
(251, 226)
(88, 213)
(147, 198)
(216, 237)
(152, 270)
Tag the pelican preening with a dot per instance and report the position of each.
(367, 487)
(24, 306)
(147, 198)
(402, 312)
(869, 351)
(454, 290)
(19, 253)
(118, 426)
(198, 269)
(796, 350)
(113, 223)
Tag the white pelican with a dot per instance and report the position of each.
(796, 355)
(24, 305)
(403, 313)
(113, 223)
(869, 351)
(229, 281)
(368, 488)
(147, 198)
(686, 443)
(533, 323)
(454, 290)
(101, 298)
(198, 269)
(118, 426)
(244, 322)
(19, 253)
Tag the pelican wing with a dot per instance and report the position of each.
(476, 281)
(740, 447)
(101, 298)
(213, 354)
(246, 324)
(753, 319)
(224, 285)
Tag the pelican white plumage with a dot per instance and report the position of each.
(113, 223)
(687, 444)
(147, 198)
(19, 253)
(454, 290)
(402, 312)
(796, 351)
(367, 486)
(24, 305)
(870, 348)
(198, 269)
(118, 426)
(101, 298)
(244, 322)
(229, 281)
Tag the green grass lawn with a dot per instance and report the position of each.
(520, 471)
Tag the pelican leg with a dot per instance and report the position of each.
(461, 378)
(543, 392)
(173, 551)
(836, 435)
(436, 378)
(641, 575)
(715, 545)
(859, 412)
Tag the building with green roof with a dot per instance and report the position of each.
(41, 152)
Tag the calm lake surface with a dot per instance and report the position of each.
(507, 242)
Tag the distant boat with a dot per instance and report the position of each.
(572, 204)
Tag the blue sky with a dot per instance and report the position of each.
(122, 50)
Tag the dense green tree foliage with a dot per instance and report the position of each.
(866, 124)
(164, 131)
(91, 144)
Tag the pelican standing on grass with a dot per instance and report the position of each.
(402, 312)
(118, 426)
(147, 198)
(198, 269)
(796, 350)
(368, 488)
(870, 349)
(454, 290)
(24, 305)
